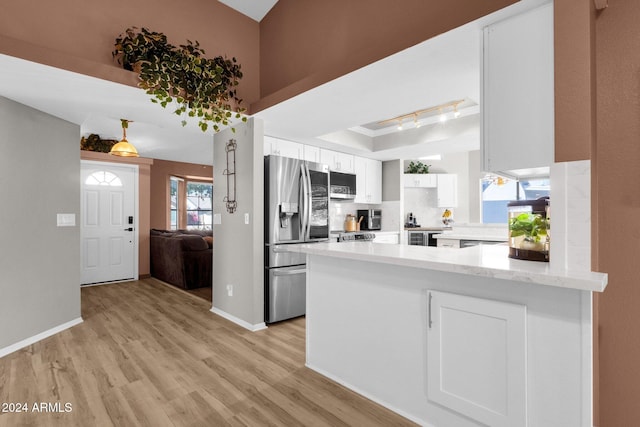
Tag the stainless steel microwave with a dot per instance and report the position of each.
(342, 185)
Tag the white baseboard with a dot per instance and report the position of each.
(369, 396)
(31, 340)
(238, 321)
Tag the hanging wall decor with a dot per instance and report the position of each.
(230, 173)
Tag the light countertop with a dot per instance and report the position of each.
(425, 228)
(483, 260)
(459, 236)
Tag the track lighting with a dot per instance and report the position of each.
(443, 117)
(441, 109)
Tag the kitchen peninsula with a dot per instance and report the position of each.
(453, 337)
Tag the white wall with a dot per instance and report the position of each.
(423, 202)
(238, 250)
(39, 262)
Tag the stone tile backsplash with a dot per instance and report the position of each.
(571, 216)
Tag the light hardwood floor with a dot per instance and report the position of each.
(148, 355)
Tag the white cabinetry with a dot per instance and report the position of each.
(368, 180)
(420, 180)
(518, 92)
(311, 153)
(448, 243)
(338, 162)
(390, 238)
(282, 147)
(476, 358)
(447, 190)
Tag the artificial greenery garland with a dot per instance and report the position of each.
(182, 77)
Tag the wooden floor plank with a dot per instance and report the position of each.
(150, 355)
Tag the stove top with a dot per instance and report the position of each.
(352, 236)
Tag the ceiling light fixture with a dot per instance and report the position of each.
(443, 117)
(442, 108)
(124, 148)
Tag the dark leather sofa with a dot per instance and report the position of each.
(183, 258)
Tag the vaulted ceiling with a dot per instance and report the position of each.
(436, 71)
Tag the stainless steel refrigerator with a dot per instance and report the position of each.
(296, 211)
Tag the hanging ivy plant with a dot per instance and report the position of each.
(182, 77)
(94, 143)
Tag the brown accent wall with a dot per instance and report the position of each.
(305, 43)
(615, 185)
(144, 183)
(79, 36)
(575, 96)
(161, 171)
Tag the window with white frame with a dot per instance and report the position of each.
(498, 191)
(191, 204)
(174, 190)
(199, 205)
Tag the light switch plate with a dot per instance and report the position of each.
(217, 218)
(66, 220)
(246, 218)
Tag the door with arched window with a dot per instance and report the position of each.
(108, 231)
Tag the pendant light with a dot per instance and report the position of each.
(124, 148)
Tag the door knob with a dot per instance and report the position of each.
(128, 229)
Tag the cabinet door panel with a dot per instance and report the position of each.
(361, 180)
(518, 92)
(311, 153)
(374, 181)
(447, 190)
(476, 358)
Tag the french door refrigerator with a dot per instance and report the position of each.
(296, 211)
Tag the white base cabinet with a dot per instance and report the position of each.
(390, 238)
(448, 243)
(477, 358)
(498, 353)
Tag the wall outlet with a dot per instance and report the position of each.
(230, 290)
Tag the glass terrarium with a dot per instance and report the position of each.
(529, 236)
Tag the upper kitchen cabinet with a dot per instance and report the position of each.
(338, 162)
(420, 180)
(447, 190)
(311, 153)
(282, 147)
(518, 93)
(368, 180)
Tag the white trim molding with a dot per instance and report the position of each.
(34, 339)
(238, 321)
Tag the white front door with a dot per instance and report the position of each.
(108, 231)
